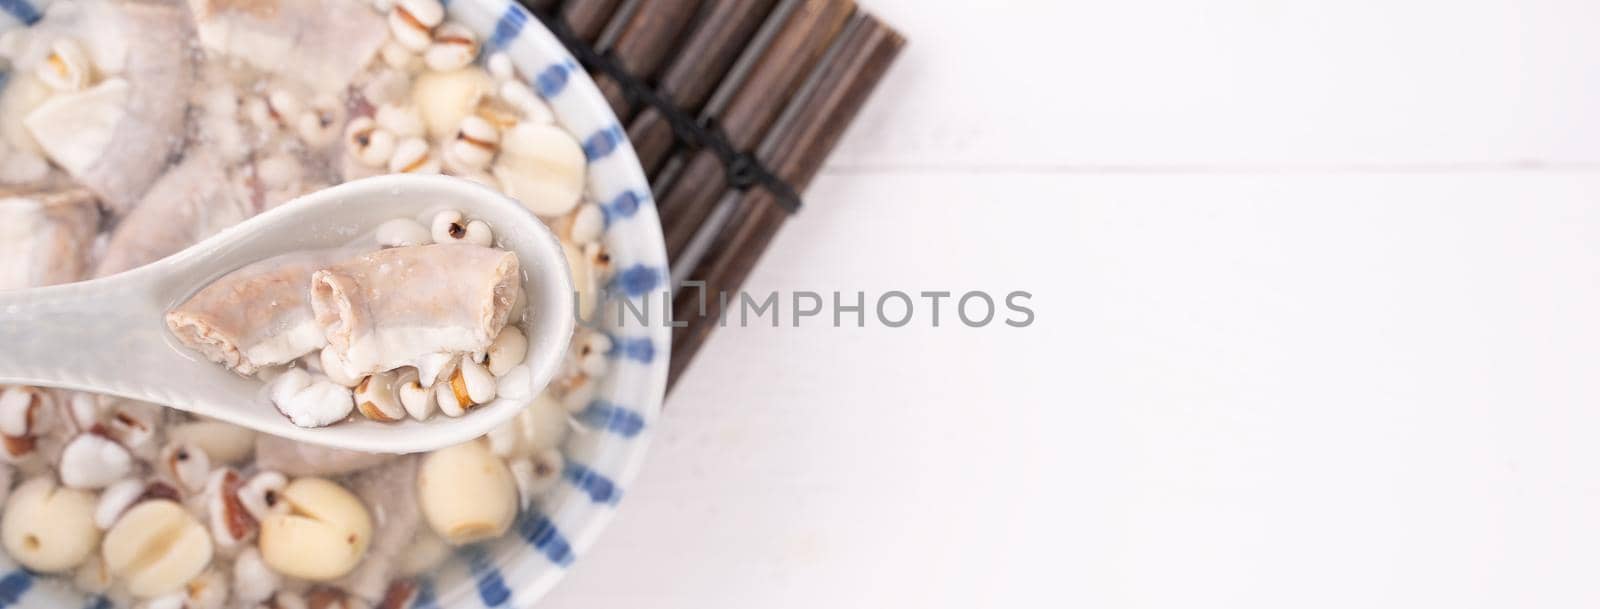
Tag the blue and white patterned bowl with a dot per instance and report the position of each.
(517, 570)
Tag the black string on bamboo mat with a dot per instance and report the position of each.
(743, 169)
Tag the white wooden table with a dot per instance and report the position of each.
(1318, 294)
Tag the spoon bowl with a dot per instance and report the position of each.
(108, 335)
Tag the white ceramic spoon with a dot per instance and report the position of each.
(109, 336)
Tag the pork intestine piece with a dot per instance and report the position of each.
(321, 44)
(294, 458)
(45, 236)
(116, 137)
(393, 307)
(256, 316)
(193, 200)
(390, 491)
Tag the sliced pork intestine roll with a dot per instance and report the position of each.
(256, 316)
(45, 236)
(117, 136)
(320, 43)
(193, 200)
(398, 306)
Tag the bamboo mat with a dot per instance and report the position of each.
(732, 105)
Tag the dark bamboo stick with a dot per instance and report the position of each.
(619, 19)
(717, 100)
(702, 62)
(795, 150)
(647, 38)
(810, 30)
(588, 18)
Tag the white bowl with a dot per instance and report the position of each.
(517, 570)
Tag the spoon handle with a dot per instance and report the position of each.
(83, 335)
